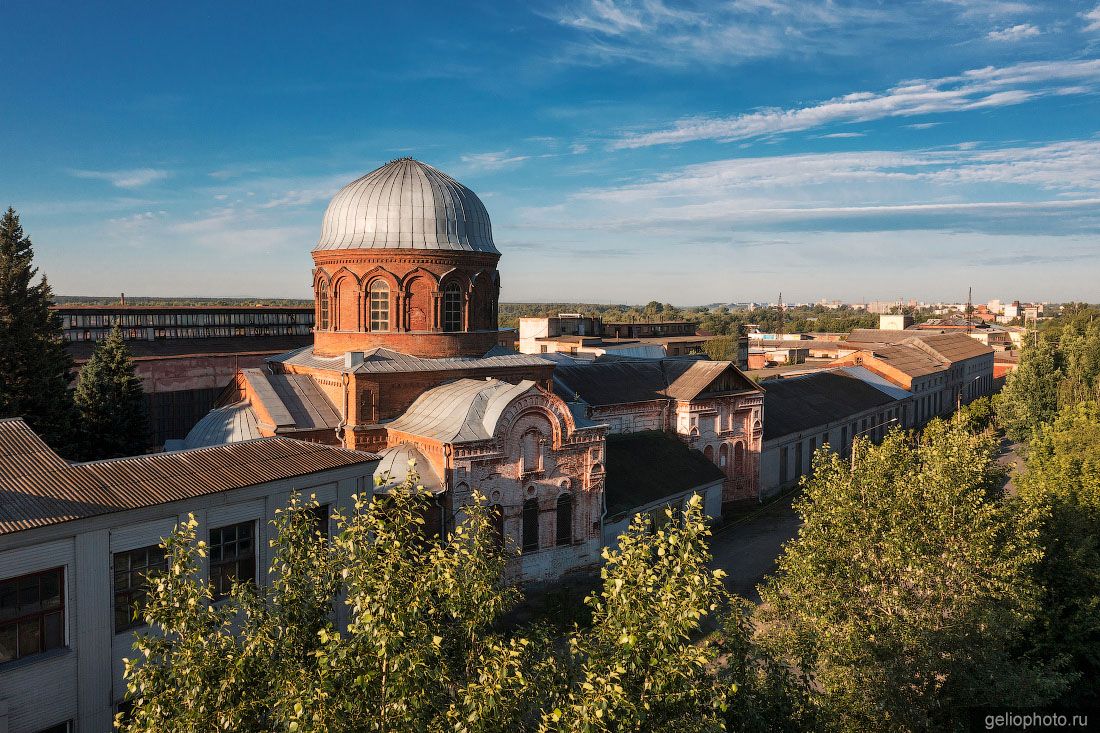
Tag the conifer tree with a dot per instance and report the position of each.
(110, 402)
(35, 369)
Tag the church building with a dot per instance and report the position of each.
(405, 363)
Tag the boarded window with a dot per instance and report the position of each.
(532, 451)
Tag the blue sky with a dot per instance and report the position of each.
(626, 151)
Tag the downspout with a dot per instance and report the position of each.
(340, 429)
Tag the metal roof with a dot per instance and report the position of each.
(394, 463)
(166, 348)
(292, 400)
(643, 468)
(382, 360)
(624, 382)
(229, 424)
(37, 487)
(406, 204)
(803, 403)
(460, 411)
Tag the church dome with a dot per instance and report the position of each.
(406, 204)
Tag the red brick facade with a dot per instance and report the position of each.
(430, 303)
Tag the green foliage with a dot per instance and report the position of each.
(977, 415)
(1059, 369)
(110, 402)
(723, 348)
(34, 366)
(1063, 480)
(636, 667)
(422, 646)
(1030, 394)
(909, 586)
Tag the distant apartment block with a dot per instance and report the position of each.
(573, 333)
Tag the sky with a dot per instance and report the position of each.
(626, 151)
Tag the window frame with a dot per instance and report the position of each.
(17, 621)
(323, 306)
(223, 583)
(134, 591)
(564, 501)
(529, 536)
(451, 308)
(378, 303)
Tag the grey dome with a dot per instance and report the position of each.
(406, 204)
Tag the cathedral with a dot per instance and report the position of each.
(405, 364)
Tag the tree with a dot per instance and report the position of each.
(637, 668)
(1030, 394)
(383, 629)
(907, 591)
(110, 402)
(1063, 479)
(35, 369)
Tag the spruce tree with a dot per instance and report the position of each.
(110, 402)
(35, 368)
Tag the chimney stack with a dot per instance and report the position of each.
(122, 299)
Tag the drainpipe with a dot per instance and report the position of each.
(345, 378)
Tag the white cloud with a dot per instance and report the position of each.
(1093, 19)
(972, 90)
(492, 161)
(1016, 32)
(134, 178)
(653, 32)
(842, 135)
(1053, 187)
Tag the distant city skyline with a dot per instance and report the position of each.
(626, 151)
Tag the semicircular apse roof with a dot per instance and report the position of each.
(406, 204)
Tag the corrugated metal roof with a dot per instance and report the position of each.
(406, 204)
(381, 360)
(460, 411)
(880, 383)
(799, 404)
(38, 488)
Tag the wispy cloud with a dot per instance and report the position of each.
(492, 161)
(976, 89)
(133, 178)
(1092, 19)
(1016, 32)
(841, 135)
(1052, 188)
(653, 32)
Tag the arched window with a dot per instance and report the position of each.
(564, 529)
(530, 525)
(496, 515)
(379, 306)
(708, 453)
(723, 452)
(532, 451)
(452, 308)
(322, 305)
(739, 458)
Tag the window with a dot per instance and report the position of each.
(739, 458)
(723, 451)
(379, 306)
(320, 519)
(532, 451)
(564, 530)
(530, 525)
(232, 556)
(452, 308)
(131, 568)
(783, 465)
(496, 514)
(322, 306)
(32, 614)
(798, 458)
